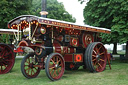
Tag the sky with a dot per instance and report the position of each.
(74, 8)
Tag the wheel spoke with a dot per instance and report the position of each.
(8, 60)
(55, 73)
(35, 68)
(50, 64)
(59, 69)
(53, 61)
(3, 49)
(51, 71)
(27, 68)
(100, 47)
(94, 52)
(97, 50)
(99, 65)
(33, 71)
(4, 65)
(94, 60)
(28, 71)
(60, 65)
(8, 53)
(58, 61)
(51, 67)
(3, 53)
(102, 60)
(27, 61)
(96, 67)
(102, 53)
(5, 62)
(94, 63)
(94, 55)
(33, 60)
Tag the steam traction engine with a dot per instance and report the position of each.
(56, 45)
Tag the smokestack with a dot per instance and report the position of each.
(44, 9)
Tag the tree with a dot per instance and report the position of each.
(55, 10)
(110, 38)
(10, 9)
(82, 1)
(110, 14)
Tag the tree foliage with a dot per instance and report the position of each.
(111, 14)
(55, 10)
(10, 9)
(82, 1)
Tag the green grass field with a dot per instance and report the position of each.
(117, 76)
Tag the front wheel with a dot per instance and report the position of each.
(54, 66)
(29, 66)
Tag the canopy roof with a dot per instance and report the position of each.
(8, 31)
(53, 22)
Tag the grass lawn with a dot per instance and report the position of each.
(117, 76)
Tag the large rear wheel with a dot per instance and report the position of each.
(95, 57)
(29, 66)
(55, 66)
(7, 58)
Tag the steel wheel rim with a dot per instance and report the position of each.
(7, 58)
(99, 57)
(29, 68)
(56, 67)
